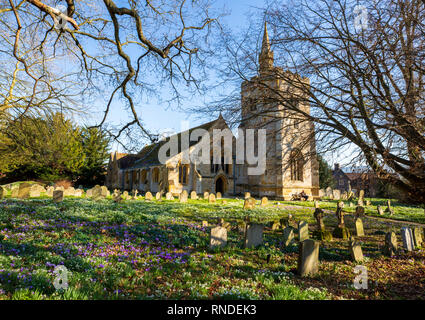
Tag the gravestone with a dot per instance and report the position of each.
(417, 237)
(407, 236)
(206, 195)
(169, 196)
(158, 196)
(247, 195)
(341, 231)
(148, 196)
(193, 195)
(57, 196)
(356, 250)
(322, 193)
(336, 194)
(303, 231)
(308, 258)
(125, 195)
(219, 195)
(15, 191)
(390, 247)
(380, 211)
(254, 235)
(79, 193)
(249, 203)
(49, 191)
(24, 191)
(105, 192)
(183, 197)
(329, 192)
(264, 201)
(361, 198)
(98, 193)
(36, 190)
(359, 227)
(288, 236)
(69, 192)
(389, 209)
(218, 237)
(117, 196)
(89, 193)
(211, 198)
(134, 193)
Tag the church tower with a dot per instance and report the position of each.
(291, 164)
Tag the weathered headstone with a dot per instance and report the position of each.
(206, 195)
(169, 196)
(219, 195)
(264, 201)
(288, 236)
(24, 190)
(329, 192)
(158, 196)
(98, 193)
(417, 237)
(193, 195)
(356, 250)
(380, 211)
(308, 258)
(322, 193)
(183, 197)
(89, 193)
(247, 195)
(249, 203)
(126, 196)
(407, 236)
(57, 196)
(390, 247)
(15, 191)
(148, 196)
(359, 227)
(253, 235)
(49, 191)
(361, 198)
(36, 190)
(336, 194)
(105, 192)
(211, 198)
(218, 237)
(303, 231)
(341, 231)
(389, 209)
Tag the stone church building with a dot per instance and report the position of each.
(290, 167)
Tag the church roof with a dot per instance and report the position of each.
(148, 156)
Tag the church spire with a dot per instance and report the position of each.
(266, 55)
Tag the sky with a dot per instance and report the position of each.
(162, 117)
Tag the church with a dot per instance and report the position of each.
(290, 166)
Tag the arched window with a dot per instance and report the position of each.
(143, 177)
(296, 163)
(155, 175)
(183, 173)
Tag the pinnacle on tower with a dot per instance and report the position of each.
(266, 55)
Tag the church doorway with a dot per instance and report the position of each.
(219, 185)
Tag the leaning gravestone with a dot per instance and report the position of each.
(288, 236)
(219, 195)
(169, 196)
(390, 247)
(249, 203)
(193, 195)
(308, 258)
(24, 191)
(211, 198)
(380, 211)
(417, 237)
(359, 227)
(218, 237)
(356, 250)
(264, 201)
(148, 196)
(158, 196)
(254, 235)
(57, 196)
(407, 236)
(303, 231)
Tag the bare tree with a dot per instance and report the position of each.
(365, 88)
(67, 54)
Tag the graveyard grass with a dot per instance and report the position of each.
(159, 250)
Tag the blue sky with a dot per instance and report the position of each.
(156, 116)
